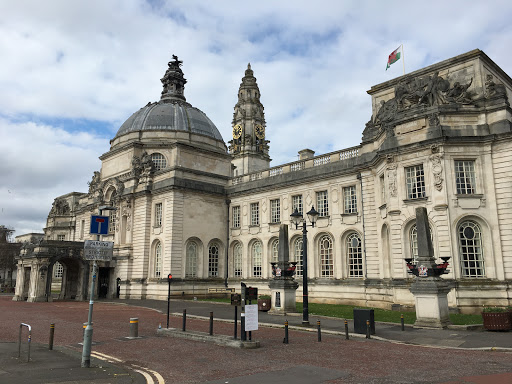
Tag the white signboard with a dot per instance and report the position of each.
(98, 250)
(251, 317)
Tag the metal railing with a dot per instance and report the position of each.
(29, 339)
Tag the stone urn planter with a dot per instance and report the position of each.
(497, 319)
(264, 303)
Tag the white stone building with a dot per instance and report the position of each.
(188, 205)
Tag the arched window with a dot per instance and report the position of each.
(275, 250)
(58, 270)
(191, 261)
(158, 259)
(158, 161)
(257, 259)
(326, 259)
(213, 260)
(470, 249)
(237, 260)
(112, 213)
(297, 250)
(354, 255)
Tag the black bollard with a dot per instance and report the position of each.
(211, 323)
(236, 319)
(52, 333)
(402, 322)
(184, 320)
(285, 340)
(243, 335)
(319, 331)
(367, 329)
(346, 329)
(134, 327)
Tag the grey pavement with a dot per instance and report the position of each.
(60, 365)
(453, 337)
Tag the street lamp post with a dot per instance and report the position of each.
(296, 219)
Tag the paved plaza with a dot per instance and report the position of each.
(391, 356)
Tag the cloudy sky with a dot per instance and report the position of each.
(71, 72)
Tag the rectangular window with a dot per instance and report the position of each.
(415, 182)
(236, 217)
(61, 237)
(382, 189)
(322, 203)
(465, 177)
(275, 211)
(255, 213)
(82, 229)
(112, 221)
(297, 204)
(349, 199)
(158, 215)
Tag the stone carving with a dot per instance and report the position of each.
(95, 182)
(173, 80)
(437, 170)
(60, 207)
(143, 168)
(459, 93)
(392, 179)
(433, 120)
(492, 89)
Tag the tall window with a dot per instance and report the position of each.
(158, 161)
(355, 255)
(275, 211)
(158, 215)
(297, 247)
(326, 259)
(415, 182)
(255, 213)
(191, 261)
(237, 260)
(382, 189)
(275, 250)
(82, 229)
(297, 204)
(257, 259)
(58, 270)
(322, 203)
(465, 177)
(213, 260)
(61, 237)
(349, 199)
(470, 249)
(112, 213)
(413, 239)
(158, 260)
(236, 217)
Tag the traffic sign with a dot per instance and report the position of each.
(98, 250)
(99, 225)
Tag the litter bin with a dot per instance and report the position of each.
(361, 315)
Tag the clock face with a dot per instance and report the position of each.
(260, 131)
(237, 131)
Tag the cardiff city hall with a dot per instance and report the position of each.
(183, 202)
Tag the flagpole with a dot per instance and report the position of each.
(403, 57)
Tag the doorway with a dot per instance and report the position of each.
(103, 282)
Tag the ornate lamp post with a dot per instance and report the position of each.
(296, 219)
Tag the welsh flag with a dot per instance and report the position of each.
(394, 57)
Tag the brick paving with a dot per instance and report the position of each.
(185, 361)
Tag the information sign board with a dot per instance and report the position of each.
(251, 317)
(98, 250)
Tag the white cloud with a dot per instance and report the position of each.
(102, 60)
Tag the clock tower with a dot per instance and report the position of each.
(248, 146)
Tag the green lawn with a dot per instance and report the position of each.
(346, 312)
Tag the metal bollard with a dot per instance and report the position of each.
(211, 323)
(402, 322)
(367, 329)
(346, 329)
(134, 327)
(319, 331)
(285, 340)
(243, 334)
(52, 333)
(184, 320)
(236, 319)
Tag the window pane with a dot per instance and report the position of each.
(191, 262)
(255, 214)
(158, 260)
(470, 248)
(415, 182)
(326, 259)
(213, 260)
(158, 215)
(256, 259)
(322, 203)
(275, 250)
(350, 201)
(236, 217)
(355, 256)
(275, 211)
(237, 260)
(158, 161)
(298, 256)
(297, 203)
(465, 177)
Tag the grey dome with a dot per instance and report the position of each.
(171, 115)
